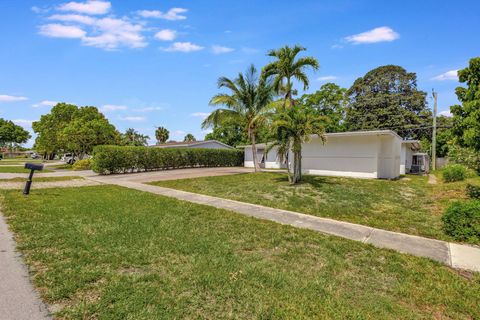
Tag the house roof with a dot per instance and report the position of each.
(189, 144)
(414, 144)
(346, 134)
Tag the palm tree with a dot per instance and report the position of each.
(189, 138)
(162, 135)
(286, 69)
(293, 127)
(247, 102)
(133, 138)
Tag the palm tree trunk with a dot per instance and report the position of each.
(254, 152)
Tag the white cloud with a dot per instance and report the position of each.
(149, 109)
(326, 78)
(88, 7)
(55, 30)
(23, 122)
(166, 35)
(449, 75)
(202, 115)
(446, 113)
(380, 34)
(172, 14)
(132, 118)
(8, 98)
(115, 33)
(216, 49)
(112, 107)
(45, 103)
(184, 47)
(73, 18)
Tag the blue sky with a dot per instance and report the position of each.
(155, 63)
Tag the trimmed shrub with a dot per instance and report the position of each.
(473, 191)
(465, 156)
(454, 172)
(462, 220)
(120, 159)
(85, 164)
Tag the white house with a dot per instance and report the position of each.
(361, 154)
(207, 144)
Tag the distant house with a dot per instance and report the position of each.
(208, 144)
(361, 154)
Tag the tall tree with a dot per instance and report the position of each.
(466, 117)
(68, 128)
(87, 129)
(287, 68)
(189, 138)
(247, 102)
(12, 135)
(162, 135)
(387, 98)
(293, 127)
(330, 101)
(49, 129)
(133, 138)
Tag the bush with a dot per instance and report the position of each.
(464, 156)
(454, 172)
(462, 220)
(120, 159)
(85, 164)
(473, 191)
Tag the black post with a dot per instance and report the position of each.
(32, 167)
(28, 184)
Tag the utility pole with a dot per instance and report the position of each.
(434, 131)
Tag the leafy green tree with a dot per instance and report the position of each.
(162, 135)
(68, 128)
(466, 117)
(287, 68)
(229, 132)
(87, 129)
(293, 127)
(247, 103)
(133, 138)
(11, 135)
(387, 98)
(189, 138)
(49, 129)
(330, 101)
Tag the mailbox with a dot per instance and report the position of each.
(33, 167)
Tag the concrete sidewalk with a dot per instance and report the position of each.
(454, 255)
(18, 298)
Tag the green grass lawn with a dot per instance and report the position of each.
(43, 179)
(64, 166)
(408, 205)
(5, 162)
(125, 254)
(19, 169)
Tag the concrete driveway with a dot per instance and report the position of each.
(138, 177)
(175, 174)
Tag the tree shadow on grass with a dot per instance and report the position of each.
(314, 181)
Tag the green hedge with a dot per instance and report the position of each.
(462, 220)
(454, 172)
(85, 164)
(473, 191)
(118, 159)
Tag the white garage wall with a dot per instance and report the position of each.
(351, 156)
